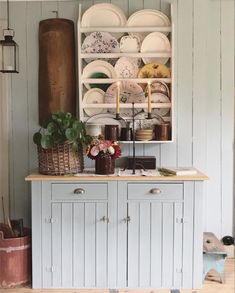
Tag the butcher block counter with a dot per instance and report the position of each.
(118, 231)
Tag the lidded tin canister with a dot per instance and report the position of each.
(57, 67)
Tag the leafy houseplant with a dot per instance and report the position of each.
(59, 143)
(62, 128)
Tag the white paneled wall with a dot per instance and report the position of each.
(204, 102)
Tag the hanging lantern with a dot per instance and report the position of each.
(9, 53)
(9, 50)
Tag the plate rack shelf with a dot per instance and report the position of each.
(84, 31)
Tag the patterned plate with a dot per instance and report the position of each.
(126, 68)
(130, 44)
(129, 92)
(159, 98)
(159, 87)
(154, 70)
(100, 42)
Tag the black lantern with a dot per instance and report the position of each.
(9, 50)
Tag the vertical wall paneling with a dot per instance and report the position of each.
(149, 4)
(200, 76)
(213, 151)
(69, 10)
(165, 6)
(5, 127)
(184, 71)
(203, 118)
(100, 1)
(85, 4)
(33, 15)
(123, 4)
(227, 112)
(3, 11)
(168, 152)
(19, 144)
(47, 7)
(135, 5)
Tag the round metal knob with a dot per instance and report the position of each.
(79, 191)
(155, 191)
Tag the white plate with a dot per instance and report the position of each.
(98, 66)
(104, 15)
(130, 44)
(155, 43)
(93, 96)
(126, 68)
(129, 92)
(100, 42)
(159, 98)
(148, 17)
(106, 118)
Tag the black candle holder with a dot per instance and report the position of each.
(118, 117)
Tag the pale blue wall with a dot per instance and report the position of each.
(204, 103)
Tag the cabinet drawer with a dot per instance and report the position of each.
(78, 191)
(152, 191)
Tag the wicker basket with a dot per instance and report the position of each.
(60, 160)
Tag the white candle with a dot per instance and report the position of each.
(118, 98)
(149, 97)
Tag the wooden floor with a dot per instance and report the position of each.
(210, 286)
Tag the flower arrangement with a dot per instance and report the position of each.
(105, 148)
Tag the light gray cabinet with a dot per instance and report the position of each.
(117, 234)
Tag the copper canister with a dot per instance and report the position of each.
(163, 131)
(111, 132)
(57, 69)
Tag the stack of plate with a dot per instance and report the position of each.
(144, 134)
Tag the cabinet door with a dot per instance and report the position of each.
(154, 244)
(79, 244)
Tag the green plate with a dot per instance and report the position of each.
(102, 86)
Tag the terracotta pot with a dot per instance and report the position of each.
(104, 165)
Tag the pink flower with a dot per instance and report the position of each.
(101, 146)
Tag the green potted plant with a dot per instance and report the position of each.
(60, 145)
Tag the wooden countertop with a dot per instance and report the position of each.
(35, 176)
